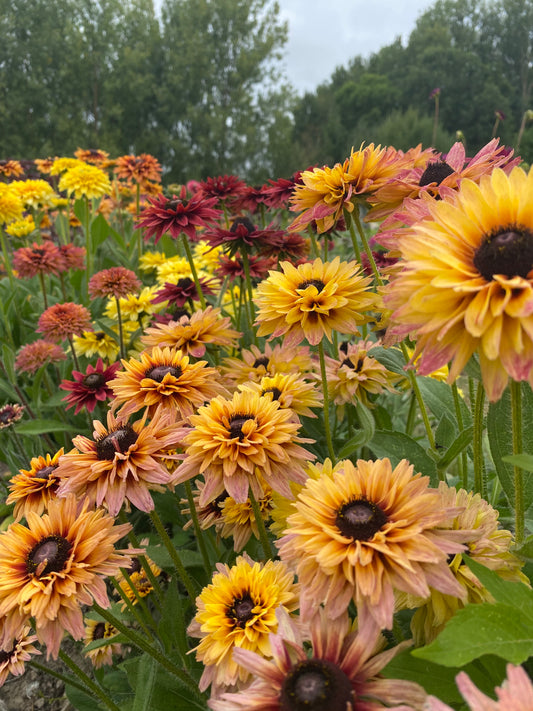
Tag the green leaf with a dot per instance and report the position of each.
(446, 431)
(525, 551)
(37, 427)
(391, 358)
(438, 396)
(80, 700)
(463, 440)
(509, 592)
(99, 230)
(364, 434)
(500, 435)
(147, 673)
(436, 679)
(397, 446)
(524, 461)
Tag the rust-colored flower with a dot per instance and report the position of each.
(96, 156)
(138, 169)
(31, 489)
(164, 378)
(56, 564)
(73, 256)
(45, 258)
(11, 169)
(34, 355)
(192, 334)
(121, 463)
(91, 387)
(62, 321)
(177, 215)
(116, 281)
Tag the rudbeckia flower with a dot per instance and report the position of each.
(31, 489)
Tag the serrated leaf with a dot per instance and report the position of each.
(397, 446)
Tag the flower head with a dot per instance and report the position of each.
(45, 258)
(255, 364)
(183, 291)
(21, 228)
(34, 193)
(232, 440)
(177, 215)
(121, 463)
(243, 235)
(62, 321)
(21, 649)
(11, 169)
(56, 564)
(164, 378)
(85, 181)
(222, 187)
(138, 169)
(100, 656)
(11, 206)
(238, 610)
(89, 388)
(96, 156)
(116, 282)
(340, 672)
(290, 390)
(311, 300)
(363, 532)
(98, 343)
(34, 355)
(9, 414)
(32, 489)
(466, 284)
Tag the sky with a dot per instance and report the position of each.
(324, 34)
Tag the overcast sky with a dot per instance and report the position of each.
(324, 34)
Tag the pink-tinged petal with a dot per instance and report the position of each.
(473, 696)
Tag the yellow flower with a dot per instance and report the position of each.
(34, 193)
(172, 269)
(32, 489)
(11, 206)
(98, 343)
(133, 306)
(254, 364)
(85, 181)
(466, 284)
(61, 164)
(311, 300)
(150, 261)
(97, 629)
(290, 390)
(206, 256)
(22, 227)
(238, 609)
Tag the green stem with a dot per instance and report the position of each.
(130, 604)
(120, 329)
(199, 532)
(194, 273)
(355, 243)
(516, 414)
(93, 688)
(459, 416)
(477, 443)
(180, 568)
(73, 352)
(71, 681)
(312, 237)
(142, 560)
(250, 311)
(145, 646)
(263, 536)
(325, 395)
(362, 235)
(7, 261)
(420, 400)
(43, 289)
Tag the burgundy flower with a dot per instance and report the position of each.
(233, 267)
(243, 236)
(222, 187)
(292, 246)
(90, 387)
(185, 290)
(249, 200)
(177, 215)
(277, 194)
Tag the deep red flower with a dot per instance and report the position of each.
(90, 387)
(223, 187)
(177, 215)
(292, 246)
(233, 267)
(277, 194)
(243, 235)
(249, 200)
(185, 290)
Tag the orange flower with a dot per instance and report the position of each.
(32, 489)
(58, 563)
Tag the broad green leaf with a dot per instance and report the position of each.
(397, 446)
(80, 700)
(525, 551)
(463, 440)
(391, 358)
(500, 436)
(524, 461)
(37, 427)
(146, 677)
(363, 435)
(438, 396)
(446, 431)
(509, 592)
(99, 230)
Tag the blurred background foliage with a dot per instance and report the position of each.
(200, 85)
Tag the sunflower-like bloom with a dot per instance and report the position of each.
(238, 610)
(11, 206)
(99, 343)
(95, 630)
(62, 321)
(34, 193)
(232, 440)
(467, 282)
(363, 532)
(10, 413)
(487, 544)
(34, 355)
(238, 521)
(121, 463)
(22, 227)
(164, 377)
(58, 563)
(339, 673)
(323, 193)
(515, 694)
(255, 364)
(138, 169)
(355, 375)
(89, 388)
(311, 300)
(290, 390)
(193, 334)
(32, 489)
(177, 215)
(85, 181)
(11, 169)
(96, 156)
(20, 649)
(116, 282)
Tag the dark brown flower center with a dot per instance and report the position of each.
(316, 685)
(508, 252)
(435, 173)
(261, 361)
(185, 283)
(354, 366)
(99, 335)
(174, 204)
(235, 425)
(93, 381)
(6, 656)
(48, 556)
(319, 285)
(360, 519)
(244, 222)
(242, 610)
(276, 393)
(45, 472)
(7, 413)
(99, 631)
(119, 440)
(135, 566)
(159, 371)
